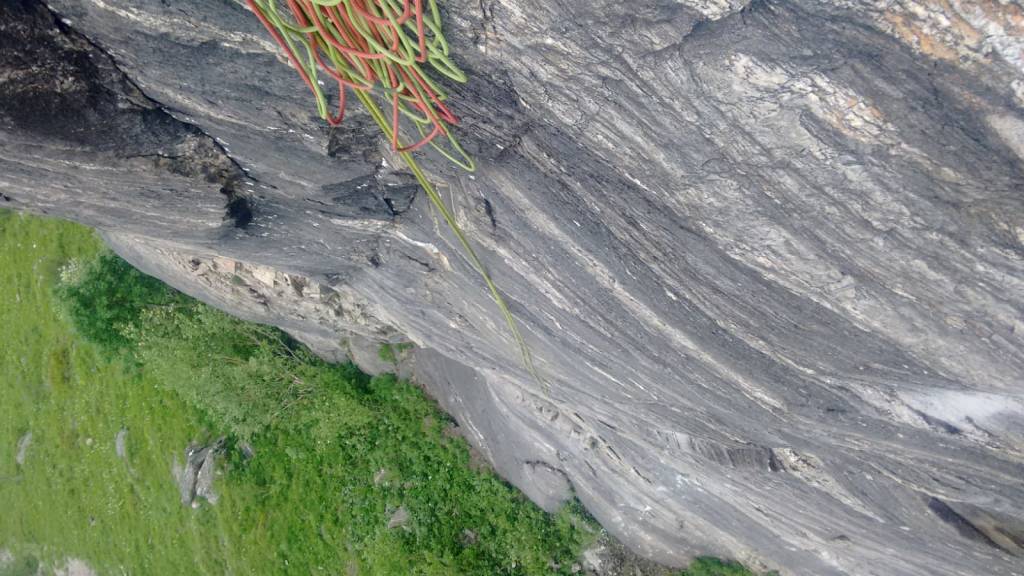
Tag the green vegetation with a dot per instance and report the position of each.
(715, 567)
(390, 352)
(73, 496)
(23, 566)
(103, 296)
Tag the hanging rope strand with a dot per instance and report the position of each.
(390, 46)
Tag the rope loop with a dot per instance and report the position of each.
(391, 47)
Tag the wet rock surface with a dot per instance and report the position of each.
(767, 255)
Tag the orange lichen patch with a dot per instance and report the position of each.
(962, 30)
(957, 30)
(914, 33)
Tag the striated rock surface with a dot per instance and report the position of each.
(768, 255)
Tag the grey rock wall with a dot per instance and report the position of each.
(767, 255)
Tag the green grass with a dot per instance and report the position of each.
(74, 497)
(22, 566)
(707, 566)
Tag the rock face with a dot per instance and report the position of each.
(768, 255)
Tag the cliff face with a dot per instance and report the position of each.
(767, 255)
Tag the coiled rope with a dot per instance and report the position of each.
(363, 45)
(384, 45)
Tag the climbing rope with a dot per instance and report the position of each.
(386, 46)
(366, 45)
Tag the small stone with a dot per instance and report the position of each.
(23, 444)
(204, 478)
(265, 275)
(120, 444)
(399, 518)
(195, 479)
(247, 450)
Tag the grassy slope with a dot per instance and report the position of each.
(306, 504)
(74, 497)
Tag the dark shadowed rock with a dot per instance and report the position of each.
(767, 255)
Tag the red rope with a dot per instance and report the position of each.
(405, 82)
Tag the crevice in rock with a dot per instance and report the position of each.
(982, 526)
(488, 210)
(209, 140)
(59, 85)
(426, 265)
(239, 208)
(937, 423)
(749, 457)
(399, 197)
(379, 196)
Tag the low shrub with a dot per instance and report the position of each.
(102, 297)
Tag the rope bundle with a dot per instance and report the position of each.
(368, 44)
(385, 45)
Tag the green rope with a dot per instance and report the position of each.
(450, 220)
(351, 36)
